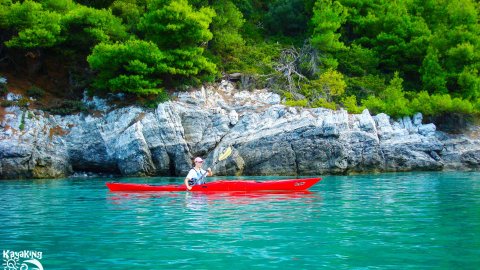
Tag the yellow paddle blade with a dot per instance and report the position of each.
(225, 154)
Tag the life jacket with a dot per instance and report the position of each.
(197, 180)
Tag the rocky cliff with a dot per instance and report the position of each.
(267, 139)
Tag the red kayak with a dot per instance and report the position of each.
(224, 185)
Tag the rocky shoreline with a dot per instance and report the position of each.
(267, 138)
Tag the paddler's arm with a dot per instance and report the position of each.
(210, 173)
(186, 183)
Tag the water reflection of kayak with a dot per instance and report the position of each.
(243, 197)
(238, 197)
(223, 185)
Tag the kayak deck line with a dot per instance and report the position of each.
(223, 185)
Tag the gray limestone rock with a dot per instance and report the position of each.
(267, 138)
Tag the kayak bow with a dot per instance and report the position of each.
(223, 185)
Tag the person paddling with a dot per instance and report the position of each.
(196, 176)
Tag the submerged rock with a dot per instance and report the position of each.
(267, 138)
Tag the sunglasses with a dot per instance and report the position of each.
(198, 161)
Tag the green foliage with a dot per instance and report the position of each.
(391, 101)
(433, 44)
(436, 104)
(297, 103)
(35, 92)
(130, 11)
(188, 61)
(374, 104)
(358, 61)
(6, 103)
(324, 91)
(35, 26)
(394, 102)
(253, 10)
(95, 3)
(60, 6)
(365, 86)
(225, 27)
(227, 42)
(328, 17)
(423, 103)
(131, 67)
(291, 101)
(434, 76)
(23, 102)
(476, 105)
(153, 101)
(350, 104)
(174, 23)
(391, 30)
(258, 59)
(66, 107)
(328, 85)
(179, 31)
(287, 17)
(343, 51)
(331, 83)
(323, 103)
(453, 54)
(403, 40)
(469, 82)
(462, 106)
(49, 23)
(4, 10)
(88, 26)
(22, 122)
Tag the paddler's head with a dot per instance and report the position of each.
(198, 162)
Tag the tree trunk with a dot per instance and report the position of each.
(34, 61)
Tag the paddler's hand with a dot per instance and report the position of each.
(209, 170)
(189, 187)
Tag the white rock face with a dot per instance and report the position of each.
(13, 97)
(233, 117)
(267, 137)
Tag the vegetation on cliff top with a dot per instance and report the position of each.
(397, 57)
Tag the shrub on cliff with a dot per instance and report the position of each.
(391, 100)
(35, 92)
(130, 11)
(328, 17)
(134, 66)
(436, 104)
(84, 27)
(227, 43)
(32, 25)
(351, 105)
(324, 91)
(66, 107)
(179, 31)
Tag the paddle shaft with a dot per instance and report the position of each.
(222, 156)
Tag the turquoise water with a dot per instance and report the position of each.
(381, 221)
